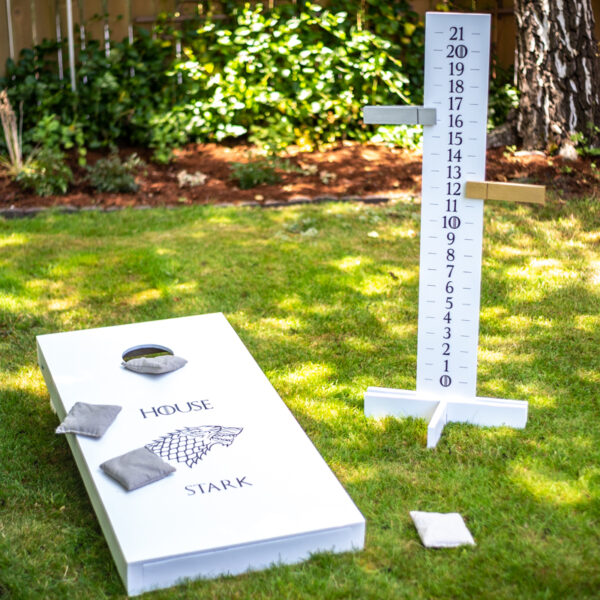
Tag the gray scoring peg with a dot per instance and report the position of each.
(399, 115)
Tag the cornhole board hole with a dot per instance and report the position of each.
(262, 495)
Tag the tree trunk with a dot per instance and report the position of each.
(558, 73)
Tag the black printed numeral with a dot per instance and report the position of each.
(456, 53)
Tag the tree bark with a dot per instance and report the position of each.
(558, 73)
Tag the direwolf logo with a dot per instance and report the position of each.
(191, 444)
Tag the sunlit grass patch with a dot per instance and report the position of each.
(326, 315)
(594, 268)
(14, 303)
(552, 486)
(27, 379)
(13, 240)
(349, 263)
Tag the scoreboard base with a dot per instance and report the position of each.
(486, 412)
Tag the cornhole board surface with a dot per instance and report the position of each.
(266, 498)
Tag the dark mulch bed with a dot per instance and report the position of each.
(348, 171)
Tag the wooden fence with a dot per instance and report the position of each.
(25, 23)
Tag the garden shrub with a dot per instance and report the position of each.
(254, 172)
(399, 23)
(111, 174)
(584, 146)
(304, 77)
(45, 172)
(166, 131)
(50, 133)
(503, 97)
(116, 96)
(275, 75)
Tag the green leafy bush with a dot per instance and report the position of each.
(111, 174)
(50, 133)
(583, 144)
(116, 97)
(399, 23)
(279, 76)
(303, 79)
(503, 97)
(45, 172)
(254, 172)
(167, 131)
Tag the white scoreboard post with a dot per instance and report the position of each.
(454, 116)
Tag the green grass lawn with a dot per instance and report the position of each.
(327, 309)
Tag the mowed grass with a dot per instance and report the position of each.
(325, 298)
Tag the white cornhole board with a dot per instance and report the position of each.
(267, 498)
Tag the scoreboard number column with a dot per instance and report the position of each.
(454, 151)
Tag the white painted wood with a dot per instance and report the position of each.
(381, 402)
(454, 151)
(283, 501)
(485, 412)
(451, 225)
(436, 424)
(488, 412)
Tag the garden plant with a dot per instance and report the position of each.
(276, 78)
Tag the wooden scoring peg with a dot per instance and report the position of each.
(511, 192)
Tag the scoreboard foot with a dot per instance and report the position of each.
(486, 412)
